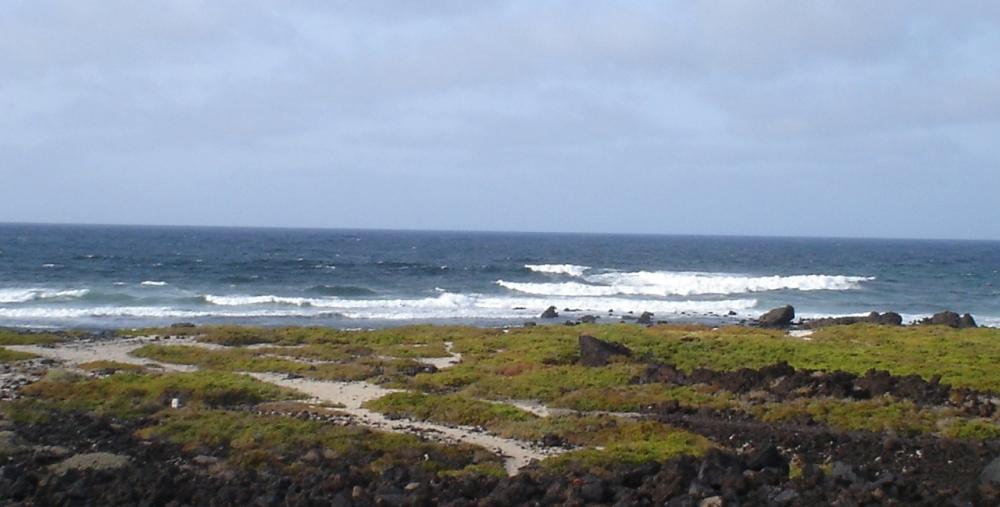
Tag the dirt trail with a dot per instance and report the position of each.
(352, 395)
(84, 351)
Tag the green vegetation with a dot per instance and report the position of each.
(647, 444)
(10, 337)
(251, 441)
(111, 366)
(129, 395)
(973, 429)
(635, 398)
(606, 440)
(880, 414)
(449, 409)
(9, 356)
(263, 360)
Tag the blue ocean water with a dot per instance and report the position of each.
(98, 276)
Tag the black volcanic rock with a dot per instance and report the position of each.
(645, 318)
(950, 319)
(778, 317)
(595, 352)
(549, 313)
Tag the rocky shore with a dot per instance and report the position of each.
(775, 432)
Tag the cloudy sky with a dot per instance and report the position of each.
(848, 118)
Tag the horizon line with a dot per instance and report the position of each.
(486, 231)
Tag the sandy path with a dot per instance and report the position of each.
(352, 395)
(84, 351)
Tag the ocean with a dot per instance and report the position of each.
(59, 276)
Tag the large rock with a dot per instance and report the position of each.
(950, 319)
(991, 474)
(645, 318)
(549, 313)
(595, 352)
(967, 321)
(778, 317)
(885, 319)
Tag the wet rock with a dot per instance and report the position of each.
(549, 313)
(588, 319)
(645, 318)
(778, 317)
(596, 352)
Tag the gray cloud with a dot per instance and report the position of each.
(796, 117)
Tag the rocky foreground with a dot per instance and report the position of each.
(684, 416)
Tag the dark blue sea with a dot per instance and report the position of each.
(98, 276)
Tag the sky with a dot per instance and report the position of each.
(784, 117)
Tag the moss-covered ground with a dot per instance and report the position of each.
(541, 364)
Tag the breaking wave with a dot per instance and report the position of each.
(669, 283)
(558, 269)
(28, 295)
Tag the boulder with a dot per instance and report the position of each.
(778, 317)
(950, 319)
(549, 313)
(991, 474)
(595, 352)
(645, 318)
(885, 319)
(588, 319)
(967, 321)
(889, 319)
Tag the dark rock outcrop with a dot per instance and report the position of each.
(549, 313)
(595, 352)
(778, 317)
(885, 319)
(645, 318)
(950, 319)
(967, 321)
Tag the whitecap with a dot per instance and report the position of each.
(25, 295)
(153, 283)
(558, 269)
(669, 283)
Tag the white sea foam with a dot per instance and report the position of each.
(669, 283)
(153, 283)
(471, 306)
(558, 269)
(26, 295)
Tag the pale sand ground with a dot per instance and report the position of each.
(352, 395)
(801, 333)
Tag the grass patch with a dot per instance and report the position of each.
(111, 366)
(876, 415)
(636, 398)
(973, 429)
(129, 395)
(11, 337)
(250, 441)
(631, 443)
(448, 409)
(9, 356)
